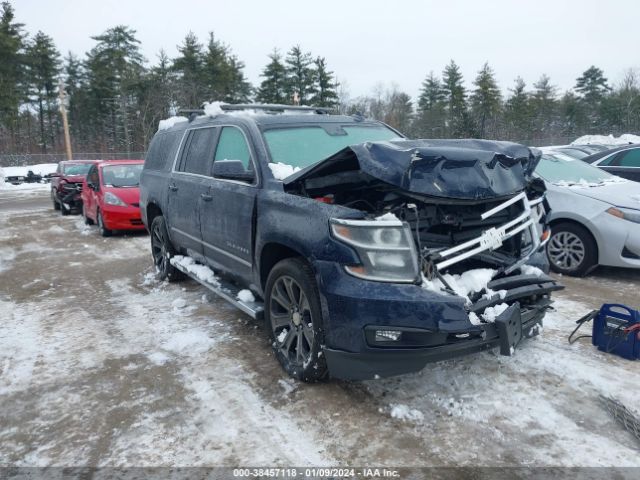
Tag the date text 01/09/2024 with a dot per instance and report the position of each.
(315, 472)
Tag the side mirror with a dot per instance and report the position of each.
(232, 170)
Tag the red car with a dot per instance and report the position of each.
(66, 185)
(111, 196)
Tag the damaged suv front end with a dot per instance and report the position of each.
(447, 240)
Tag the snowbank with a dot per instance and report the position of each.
(40, 169)
(282, 170)
(167, 123)
(607, 139)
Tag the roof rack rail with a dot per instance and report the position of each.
(274, 107)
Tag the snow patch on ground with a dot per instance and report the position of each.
(623, 139)
(246, 296)
(57, 229)
(39, 169)
(191, 342)
(167, 123)
(282, 170)
(406, 414)
(7, 256)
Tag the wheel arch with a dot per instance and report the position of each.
(271, 254)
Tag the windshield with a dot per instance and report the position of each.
(562, 169)
(76, 168)
(121, 175)
(304, 146)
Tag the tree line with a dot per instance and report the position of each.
(115, 98)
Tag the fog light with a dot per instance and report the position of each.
(388, 335)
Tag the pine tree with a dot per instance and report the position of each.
(216, 69)
(592, 85)
(543, 107)
(274, 87)
(79, 106)
(43, 64)
(486, 101)
(189, 67)
(399, 111)
(115, 68)
(300, 75)
(518, 112)
(456, 99)
(431, 118)
(239, 89)
(325, 85)
(11, 70)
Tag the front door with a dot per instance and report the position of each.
(188, 187)
(226, 220)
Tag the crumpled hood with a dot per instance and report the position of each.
(461, 169)
(622, 194)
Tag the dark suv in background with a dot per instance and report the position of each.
(349, 236)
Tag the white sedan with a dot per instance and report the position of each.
(594, 218)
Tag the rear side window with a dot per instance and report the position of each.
(630, 158)
(162, 150)
(198, 155)
(233, 146)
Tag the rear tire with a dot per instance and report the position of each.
(162, 250)
(571, 250)
(104, 231)
(294, 320)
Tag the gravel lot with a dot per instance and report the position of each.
(101, 365)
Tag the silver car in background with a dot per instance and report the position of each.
(594, 218)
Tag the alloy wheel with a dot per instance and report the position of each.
(566, 250)
(291, 320)
(159, 249)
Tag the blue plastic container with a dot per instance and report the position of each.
(616, 329)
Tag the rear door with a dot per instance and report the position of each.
(625, 164)
(227, 219)
(189, 186)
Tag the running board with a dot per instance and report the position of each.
(217, 285)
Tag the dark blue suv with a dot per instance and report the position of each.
(366, 254)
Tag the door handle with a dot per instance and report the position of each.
(206, 197)
(173, 188)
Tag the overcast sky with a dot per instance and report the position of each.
(367, 42)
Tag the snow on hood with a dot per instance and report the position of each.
(461, 169)
(623, 193)
(624, 139)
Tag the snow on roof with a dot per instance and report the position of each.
(167, 123)
(624, 139)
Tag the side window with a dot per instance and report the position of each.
(630, 158)
(197, 157)
(611, 160)
(92, 176)
(233, 146)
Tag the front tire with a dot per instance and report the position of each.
(162, 250)
(571, 250)
(104, 231)
(294, 320)
(56, 205)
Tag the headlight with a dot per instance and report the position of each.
(625, 213)
(386, 249)
(111, 199)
